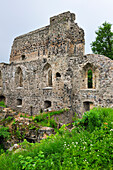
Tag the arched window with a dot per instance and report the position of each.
(49, 78)
(48, 74)
(90, 78)
(0, 79)
(19, 77)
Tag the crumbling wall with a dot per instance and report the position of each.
(48, 70)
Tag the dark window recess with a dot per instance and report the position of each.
(19, 102)
(58, 75)
(90, 78)
(38, 53)
(71, 28)
(47, 104)
(44, 60)
(75, 50)
(2, 98)
(23, 57)
(49, 78)
(0, 79)
(19, 77)
(43, 51)
(87, 105)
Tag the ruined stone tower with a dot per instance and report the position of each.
(48, 69)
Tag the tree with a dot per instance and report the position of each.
(104, 41)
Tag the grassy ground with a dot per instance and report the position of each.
(88, 146)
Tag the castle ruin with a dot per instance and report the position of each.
(49, 70)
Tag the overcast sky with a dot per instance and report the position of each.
(18, 17)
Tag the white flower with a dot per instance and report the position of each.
(111, 129)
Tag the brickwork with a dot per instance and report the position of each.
(48, 70)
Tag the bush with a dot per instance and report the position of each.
(95, 118)
(2, 104)
(4, 132)
(78, 149)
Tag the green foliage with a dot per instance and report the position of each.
(9, 118)
(94, 118)
(43, 116)
(4, 132)
(18, 134)
(78, 149)
(14, 122)
(90, 77)
(2, 104)
(104, 41)
(32, 127)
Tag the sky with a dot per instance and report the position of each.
(18, 17)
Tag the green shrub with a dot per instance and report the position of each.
(95, 118)
(78, 149)
(2, 104)
(9, 118)
(4, 132)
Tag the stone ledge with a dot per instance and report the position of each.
(19, 88)
(88, 89)
(19, 106)
(47, 88)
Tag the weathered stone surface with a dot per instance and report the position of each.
(48, 70)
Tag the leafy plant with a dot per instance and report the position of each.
(77, 149)
(94, 118)
(4, 132)
(2, 104)
(9, 118)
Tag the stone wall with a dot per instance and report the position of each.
(48, 70)
(60, 38)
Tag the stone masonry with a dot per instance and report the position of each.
(49, 70)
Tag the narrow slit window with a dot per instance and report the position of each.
(90, 78)
(23, 57)
(0, 79)
(49, 78)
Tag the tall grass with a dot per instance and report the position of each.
(81, 148)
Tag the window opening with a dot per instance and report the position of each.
(43, 51)
(49, 78)
(88, 106)
(38, 53)
(47, 104)
(90, 78)
(23, 57)
(19, 77)
(19, 102)
(58, 74)
(0, 79)
(2, 98)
